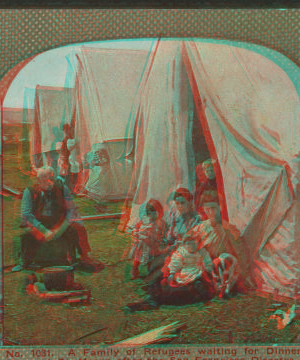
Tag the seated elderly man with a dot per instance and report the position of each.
(48, 215)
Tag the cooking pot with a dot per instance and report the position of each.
(58, 277)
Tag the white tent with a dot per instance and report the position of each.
(249, 111)
(246, 99)
(105, 87)
(53, 108)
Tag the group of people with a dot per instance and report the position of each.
(189, 256)
(186, 249)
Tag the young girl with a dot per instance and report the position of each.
(219, 242)
(147, 236)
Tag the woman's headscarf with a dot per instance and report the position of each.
(156, 205)
(183, 192)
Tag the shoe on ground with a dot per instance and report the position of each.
(143, 305)
(17, 268)
(23, 266)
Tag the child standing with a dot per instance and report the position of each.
(147, 236)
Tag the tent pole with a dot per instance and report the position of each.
(100, 217)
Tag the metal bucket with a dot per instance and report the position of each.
(58, 277)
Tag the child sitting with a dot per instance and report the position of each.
(147, 236)
(219, 242)
(186, 277)
(189, 268)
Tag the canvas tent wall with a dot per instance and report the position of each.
(252, 112)
(243, 99)
(162, 113)
(52, 109)
(105, 87)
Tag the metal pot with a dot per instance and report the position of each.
(59, 277)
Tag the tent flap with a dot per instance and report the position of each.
(234, 111)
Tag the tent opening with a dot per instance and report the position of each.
(200, 147)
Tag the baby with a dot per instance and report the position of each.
(186, 277)
(189, 262)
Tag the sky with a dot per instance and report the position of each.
(50, 69)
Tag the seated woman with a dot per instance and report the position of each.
(186, 277)
(147, 236)
(183, 218)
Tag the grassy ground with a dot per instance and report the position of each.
(30, 321)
